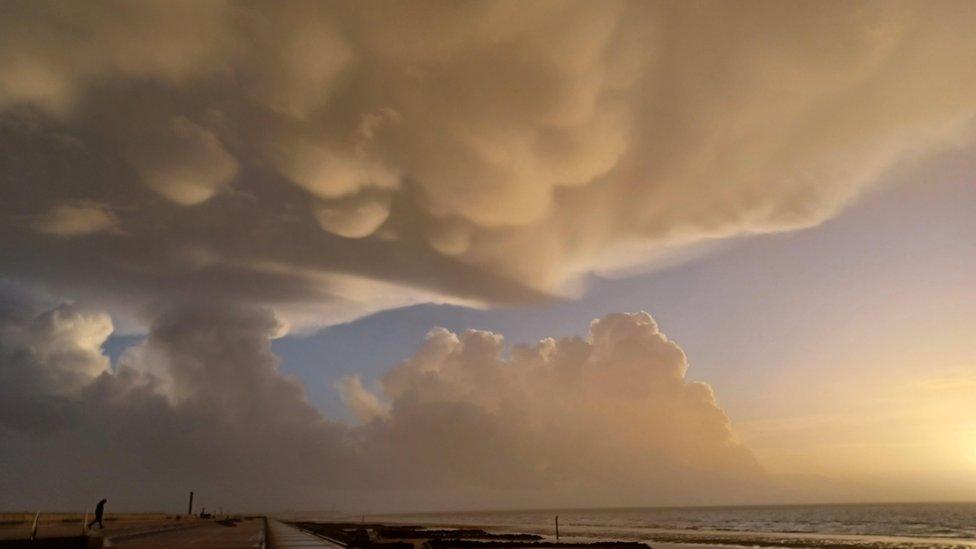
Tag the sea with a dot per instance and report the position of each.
(888, 525)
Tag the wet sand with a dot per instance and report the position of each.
(722, 539)
(390, 536)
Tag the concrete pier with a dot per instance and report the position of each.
(283, 536)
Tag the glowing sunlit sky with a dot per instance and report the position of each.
(415, 255)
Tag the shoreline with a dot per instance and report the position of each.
(711, 537)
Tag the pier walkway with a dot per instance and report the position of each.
(283, 536)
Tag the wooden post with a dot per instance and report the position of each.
(84, 524)
(189, 508)
(33, 534)
(557, 528)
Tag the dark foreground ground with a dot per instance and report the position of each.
(231, 533)
(257, 533)
(159, 531)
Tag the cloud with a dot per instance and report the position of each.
(613, 409)
(201, 403)
(194, 167)
(209, 411)
(363, 405)
(491, 152)
(47, 358)
(75, 220)
(301, 164)
(353, 221)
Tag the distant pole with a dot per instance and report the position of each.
(84, 524)
(189, 508)
(33, 534)
(557, 528)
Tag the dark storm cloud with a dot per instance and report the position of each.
(278, 153)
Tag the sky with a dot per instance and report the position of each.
(407, 256)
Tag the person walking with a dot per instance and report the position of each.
(99, 511)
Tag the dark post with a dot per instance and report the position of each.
(33, 534)
(557, 528)
(189, 508)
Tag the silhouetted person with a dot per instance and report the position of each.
(99, 511)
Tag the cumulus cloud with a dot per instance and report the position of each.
(47, 358)
(210, 410)
(364, 405)
(608, 418)
(485, 151)
(613, 410)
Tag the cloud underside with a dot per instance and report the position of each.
(487, 152)
(609, 418)
(224, 170)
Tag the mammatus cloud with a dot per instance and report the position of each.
(489, 152)
(76, 219)
(303, 163)
(194, 167)
(609, 418)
